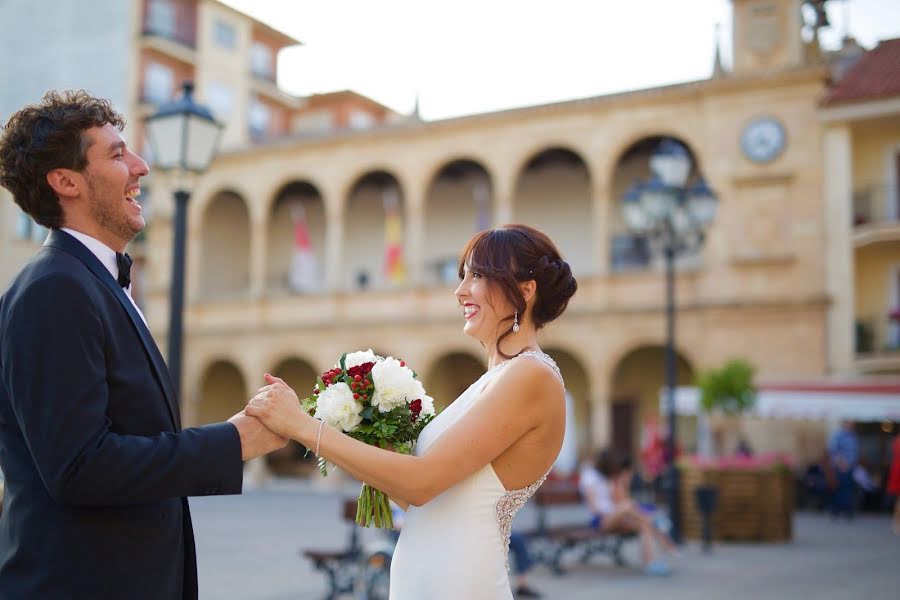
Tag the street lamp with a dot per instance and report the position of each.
(673, 216)
(184, 138)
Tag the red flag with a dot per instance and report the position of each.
(303, 276)
(394, 267)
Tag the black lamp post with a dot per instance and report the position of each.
(673, 216)
(184, 138)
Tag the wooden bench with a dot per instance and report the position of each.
(548, 544)
(340, 566)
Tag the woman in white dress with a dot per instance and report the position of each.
(481, 458)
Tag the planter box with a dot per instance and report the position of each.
(755, 504)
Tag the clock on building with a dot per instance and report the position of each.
(763, 139)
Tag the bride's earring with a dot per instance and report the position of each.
(516, 322)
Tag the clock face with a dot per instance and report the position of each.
(763, 139)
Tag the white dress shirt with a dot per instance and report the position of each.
(107, 257)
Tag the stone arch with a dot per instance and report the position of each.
(458, 202)
(225, 247)
(223, 392)
(297, 213)
(293, 459)
(579, 438)
(372, 199)
(450, 375)
(630, 251)
(635, 385)
(553, 193)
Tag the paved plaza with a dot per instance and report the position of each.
(249, 546)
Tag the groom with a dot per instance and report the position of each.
(97, 466)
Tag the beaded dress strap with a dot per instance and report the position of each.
(546, 359)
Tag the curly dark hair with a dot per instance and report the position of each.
(512, 254)
(46, 136)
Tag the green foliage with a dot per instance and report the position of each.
(729, 388)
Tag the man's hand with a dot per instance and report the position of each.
(256, 439)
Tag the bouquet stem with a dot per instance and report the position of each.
(373, 508)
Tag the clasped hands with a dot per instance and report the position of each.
(270, 419)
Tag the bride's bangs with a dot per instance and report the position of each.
(488, 253)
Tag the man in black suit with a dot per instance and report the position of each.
(97, 466)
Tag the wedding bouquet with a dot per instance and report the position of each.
(379, 401)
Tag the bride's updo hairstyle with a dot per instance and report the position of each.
(512, 254)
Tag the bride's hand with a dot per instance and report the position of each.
(278, 407)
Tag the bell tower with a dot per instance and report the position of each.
(767, 36)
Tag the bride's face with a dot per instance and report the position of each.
(482, 306)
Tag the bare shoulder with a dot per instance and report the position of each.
(527, 377)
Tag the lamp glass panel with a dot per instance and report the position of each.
(165, 139)
(672, 168)
(656, 201)
(681, 220)
(635, 217)
(703, 208)
(203, 137)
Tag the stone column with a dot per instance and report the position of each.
(839, 275)
(334, 243)
(414, 201)
(602, 213)
(258, 262)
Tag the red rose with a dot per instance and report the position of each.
(361, 370)
(415, 407)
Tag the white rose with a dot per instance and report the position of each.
(427, 406)
(394, 385)
(336, 406)
(354, 359)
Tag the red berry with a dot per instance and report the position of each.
(356, 396)
(402, 363)
(356, 377)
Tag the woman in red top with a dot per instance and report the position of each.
(893, 483)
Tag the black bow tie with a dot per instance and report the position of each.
(124, 262)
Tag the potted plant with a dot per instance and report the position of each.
(752, 494)
(725, 393)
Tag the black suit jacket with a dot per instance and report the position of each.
(97, 467)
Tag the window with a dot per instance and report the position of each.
(259, 119)
(159, 80)
(224, 35)
(261, 60)
(360, 119)
(161, 17)
(220, 99)
(630, 252)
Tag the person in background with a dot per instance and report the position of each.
(523, 563)
(604, 485)
(893, 482)
(843, 450)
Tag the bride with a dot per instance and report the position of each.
(481, 458)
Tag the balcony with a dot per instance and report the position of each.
(878, 344)
(180, 46)
(876, 215)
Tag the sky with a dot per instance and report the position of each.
(471, 56)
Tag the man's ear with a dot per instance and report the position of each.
(65, 182)
(528, 288)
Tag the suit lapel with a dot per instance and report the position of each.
(65, 242)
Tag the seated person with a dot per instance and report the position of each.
(604, 485)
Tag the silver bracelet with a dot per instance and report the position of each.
(319, 437)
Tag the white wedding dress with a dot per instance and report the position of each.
(455, 547)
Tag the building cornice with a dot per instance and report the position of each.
(680, 92)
